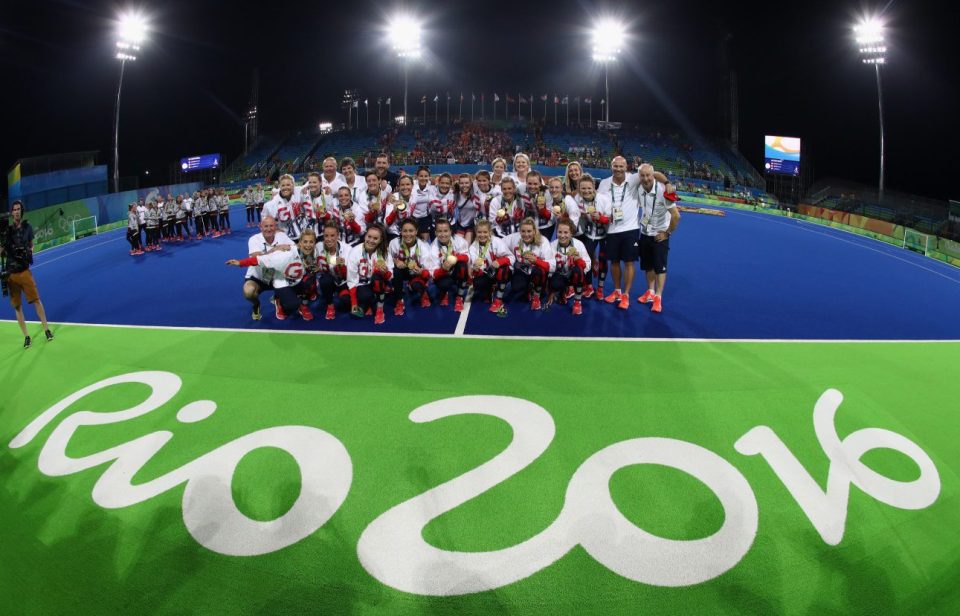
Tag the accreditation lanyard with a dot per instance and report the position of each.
(618, 210)
(647, 217)
(406, 251)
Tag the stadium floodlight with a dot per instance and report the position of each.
(404, 34)
(131, 32)
(608, 37)
(871, 43)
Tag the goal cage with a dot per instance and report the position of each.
(82, 227)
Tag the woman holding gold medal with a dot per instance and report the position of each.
(466, 206)
(506, 210)
(444, 201)
(535, 204)
(412, 264)
(562, 207)
(572, 263)
(533, 262)
(332, 268)
(350, 217)
(490, 263)
(592, 215)
(451, 253)
(399, 207)
(369, 269)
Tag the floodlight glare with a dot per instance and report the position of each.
(132, 28)
(405, 37)
(869, 36)
(608, 37)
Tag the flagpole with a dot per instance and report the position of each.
(555, 98)
(531, 108)
(578, 111)
(544, 111)
(448, 108)
(366, 103)
(567, 98)
(591, 112)
(436, 109)
(379, 101)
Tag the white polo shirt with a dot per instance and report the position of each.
(624, 206)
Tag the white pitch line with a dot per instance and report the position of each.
(494, 336)
(802, 225)
(462, 321)
(70, 254)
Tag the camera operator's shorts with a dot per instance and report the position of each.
(22, 282)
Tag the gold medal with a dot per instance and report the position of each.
(557, 210)
(501, 213)
(541, 200)
(411, 263)
(451, 260)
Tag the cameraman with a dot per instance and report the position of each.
(16, 246)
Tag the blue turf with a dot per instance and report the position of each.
(745, 275)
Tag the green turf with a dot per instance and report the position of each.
(62, 553)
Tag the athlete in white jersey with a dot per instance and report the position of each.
(369, 269)
(533, 262)
(592, 215)
(413, 264)
(571, 262)
(506, 210)
(332, 269)
(283, 207)
(451, 254)
(444, 201)
(490, 263)
(422, 195)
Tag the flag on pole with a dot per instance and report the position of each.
(603, 102)
(356, 104)
(523, 101)
(436, 98)
(544, 98)
(588, 100)
(496, 98)
(423, 100)
(379, 100)
(556, 99)
(388, 100)
(566, 100)
(461, 97)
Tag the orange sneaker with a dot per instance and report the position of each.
(424, 300)
(399, 308)
(588, 291)
(331, 312)
(535, 303)
(657, 304)
(624, 302)
(379, 318)
(458, 304)
(577, 307)
(305, 312)
(497, 305)
(647, 297)
(281, 315)
(444, 301)
(613, 297)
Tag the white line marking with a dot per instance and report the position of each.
(462, 321)
(65, 244)
(491, 337)
(802, 225)
(70, 254)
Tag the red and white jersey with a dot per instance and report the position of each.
(542, 251)
(595, 230)
(443, 206)
(332, 184)
(289, 266)
(490, 253)
(483, 200)
(327, 260)
(258, 243)
(360, 265)
(420, 199)
(397, 210)
(353, 223)
(456, 246)
(382, 200)
(419, 253)
(284, 211)
(538, 209)
(521, 183)
(564, 260)
(512, 215)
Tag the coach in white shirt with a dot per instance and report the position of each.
(659, 218)
(260, 279)
(622, 243)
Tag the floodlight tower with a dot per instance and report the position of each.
(404, 35)
(873, 51)
(131, 31)
(608, 36)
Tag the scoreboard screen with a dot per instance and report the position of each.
(781, 155)
(197, 163)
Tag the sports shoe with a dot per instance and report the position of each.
(577, 307)
(331, 312)
(424, 300)
(281, 315)
(599, 293)
(380, 318)
(26, 342)
(398, 310)
(569, 293)
(624, 302)
(535, 302)
(49, 335)
(657, 304)
(497, 305)
(444, 301)
(305, 312)
(613, 297)
(368, 312)
(255, 314)
(588, 292)
(356, 312)
(458, 304)
(646, 297)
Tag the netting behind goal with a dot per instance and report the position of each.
(82, 227)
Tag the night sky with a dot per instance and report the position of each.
(798, 72)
